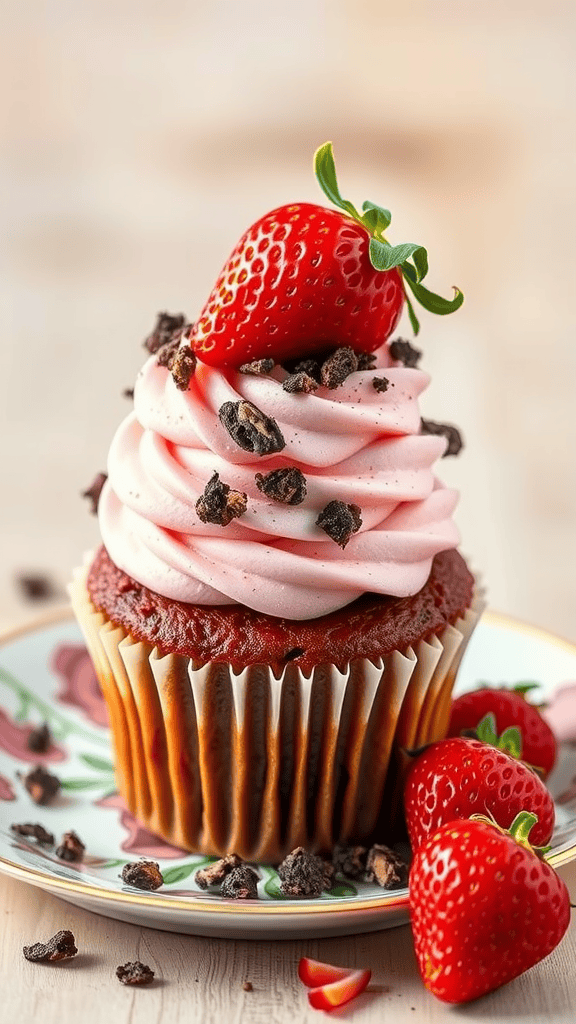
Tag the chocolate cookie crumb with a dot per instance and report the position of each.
(183, 367)
(94, 491)
(166, 326)
(143, 874)
(296, 652)
(248, 986)
(301, 874)
(447, 430)
(403, 352)
(240, 884)
(300, 384)
(167, 353)
(218, 504)
(258, 368)
(36, 831)
(41, 785)
(340, 521)
(215, 873)
(71, 848)
(338, 366)
(384, 867)
(35, 586)
(251, 429)
(349, 861)
(328, 873)
(285, 485)
(135, 973)
(128, 393)
(309, 366)
(61, 946)
(380, 384)
(39, 739)
(366, 360)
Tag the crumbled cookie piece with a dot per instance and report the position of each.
(167, 354)
(128, 393)
(403, 352)
(61, 946)
(328, 873)
(380, 384)
(301, 874)
(258, 368)
(384, 867)
(143, 874)
(300, 384)
(166, 327)
(366, 360)
(214, 874)
(248, 986)
(340, 521)
(349, 861)
(240, 884)
(71, 848)
(219, 504)
(41, 785)
(135, 973)
(34, 831)
(94, 491)
(447, 430)
(183, 367)
(35, 586)
(338, 366)
(311, 367)
(285, 485)
(251, 429)
(39, 739)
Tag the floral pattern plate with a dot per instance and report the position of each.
(46, 676)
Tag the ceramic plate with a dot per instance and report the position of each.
(46, 675)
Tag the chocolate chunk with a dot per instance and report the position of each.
(447, 430)
(143, 874)
(165, 329)
(259, 368)
(403, 352)
(366, 360)
(128, 393)
(340, 521)
(35, 586)
(240, 884)
(380, 384)
(328, 873)
(311, 367)
(285, 485)
(296, 652)
(39, 739)
(61, 946)
(37, 832)
(41, 785)
(135, 973)
(301, 874)
(251, 429)
(94, 491)
(248, 986)
(214, 874)
(183, 366)
(384, 867)
(300, 384)
(71, 848)
(218, 504)
(338, 366)
(167, 354)
(349, 861)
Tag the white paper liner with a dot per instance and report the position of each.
(219, 762)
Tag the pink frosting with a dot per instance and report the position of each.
(352, 444)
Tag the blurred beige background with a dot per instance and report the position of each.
(140, 138)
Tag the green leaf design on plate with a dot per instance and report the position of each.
(82, 784)
(272, 885)
(112, 864)
(100, 764)
(342, 889)
(182, 871)
(60, 726)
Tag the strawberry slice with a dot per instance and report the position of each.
(328, 997)
(314, 973)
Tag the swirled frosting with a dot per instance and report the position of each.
(352, 444)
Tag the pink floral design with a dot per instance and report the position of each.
(79, 685)
(139, 840)
(6, 789)
(560, 713)
(14, 740)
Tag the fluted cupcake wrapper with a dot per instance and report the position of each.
(218, 761)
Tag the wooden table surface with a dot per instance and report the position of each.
(202, 980)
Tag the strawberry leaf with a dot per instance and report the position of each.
(510, 741)
(432, 302)
(414, 321)
(325, 170)
(375, 218)
(486, 730)
(524, 688)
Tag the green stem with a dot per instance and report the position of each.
(64, 726)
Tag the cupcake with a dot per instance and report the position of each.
(278, 607)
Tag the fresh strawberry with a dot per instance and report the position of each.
(305, 278)
(458, 777)
(328, 997)
(525, 734)
(314, 973)
(484, 907)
